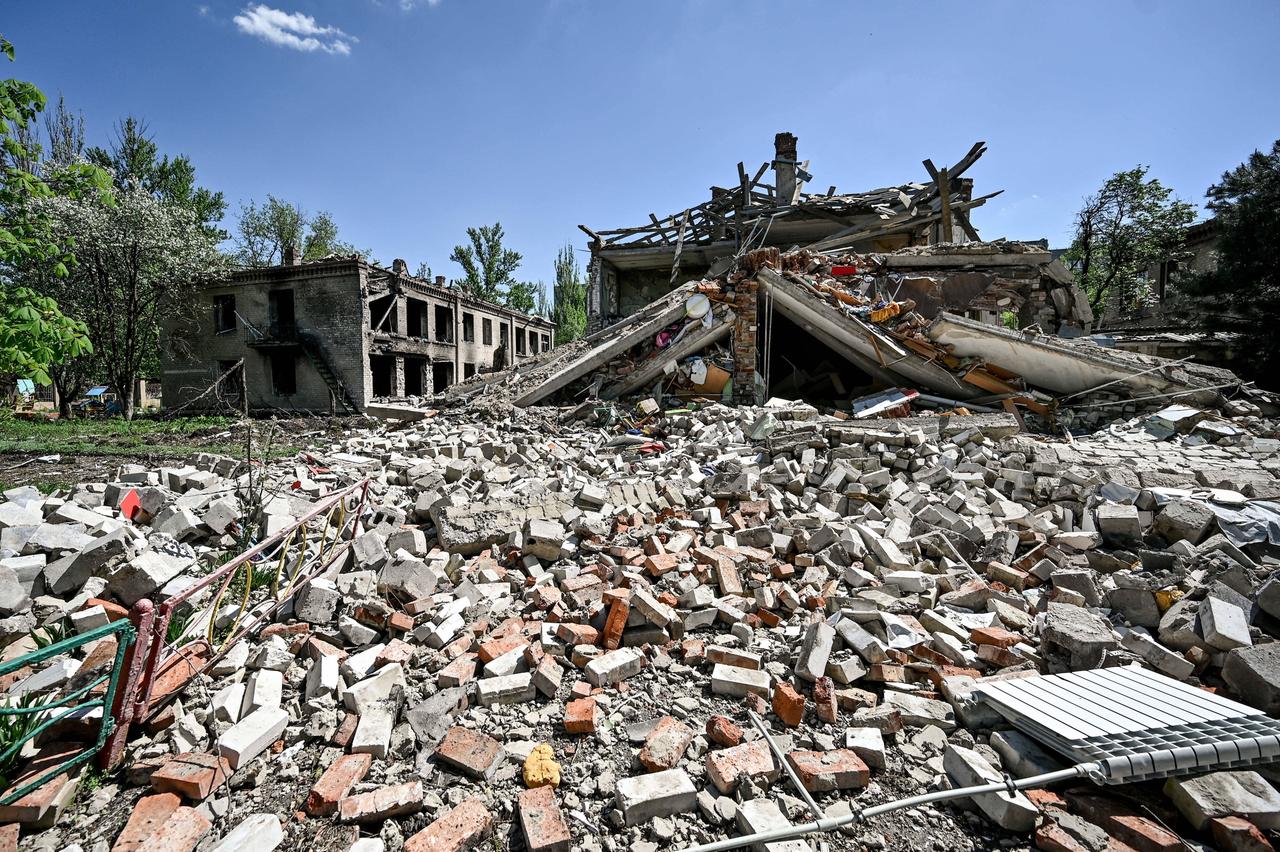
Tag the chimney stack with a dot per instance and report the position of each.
(400, 267)
(290, 256)
(439, 280)
(784, 167)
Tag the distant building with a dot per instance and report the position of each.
(1156, 329)
(333, 335)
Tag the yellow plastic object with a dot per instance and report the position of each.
(1166, 598)
(540, 767)
(889, 311)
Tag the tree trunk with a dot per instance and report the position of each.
(125, 389)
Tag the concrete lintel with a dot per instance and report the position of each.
(694, 341)
(609, 348)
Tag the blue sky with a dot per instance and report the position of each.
(409, 120)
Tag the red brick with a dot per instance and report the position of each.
(661, 563)
(851, 698)
(665, 744)
(837, 769)
(460, 671)
(459, 829)
(824, 700)
(1236, 834)
(577, 634)
(788, 704)
(582, 716)
(42, 805)
(580, 689)
(619, 611)
(346, 730)
(315, 648)
(470, 751)
(179, 833)
(545, 829)
(1045, 799)
(1125, 824)
(1052, 837)
(115, 612)
(721, 730)
(396, 800)
(401, 622)
(343, 774)
(996, 636)
(727, 767)
(193, 774)
(9, 836)
(148, 815)
(494, 648)
(397, 651)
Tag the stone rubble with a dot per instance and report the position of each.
(558, 630)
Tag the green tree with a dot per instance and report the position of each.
(137, 261)
(1130, 224)
(488, 267)
(521, 296)
(264, 231)
(63, 146)
(1241, 296)
(133, 159)
(570, 310)
(34, 333)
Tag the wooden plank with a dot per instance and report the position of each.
(694, 340)
(944, 191)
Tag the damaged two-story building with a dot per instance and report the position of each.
(333, 336)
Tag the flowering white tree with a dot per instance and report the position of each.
(135, 262)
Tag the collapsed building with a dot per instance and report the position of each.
(865, 304)
(333, 336)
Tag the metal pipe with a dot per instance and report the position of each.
(1007, 785)
(786, 765)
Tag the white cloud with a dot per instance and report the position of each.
(293, 30)
(410, 5)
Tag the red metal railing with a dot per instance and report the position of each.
(164, 667)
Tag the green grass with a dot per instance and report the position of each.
(115, 436)
(118, 437)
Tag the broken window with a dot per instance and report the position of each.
(441, 375)
(486, 331)
(444, 324)
(502, 335)
(519, 341)
(232, 388)
(546, 342)
(468, 327)
(224, 314)
(468, 370)
(414, 372)
(284, 374)
(280, 315)
(382, 368)
(417, 311)
(382, 314)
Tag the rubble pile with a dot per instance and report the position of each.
(558, 635)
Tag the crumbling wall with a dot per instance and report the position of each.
(329, 308)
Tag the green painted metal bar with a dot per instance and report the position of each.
(125, 634)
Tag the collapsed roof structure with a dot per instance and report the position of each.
(863, 304)
(632, 266)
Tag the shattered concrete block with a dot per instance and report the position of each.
(1010, 811)
(1245, 794)
(1253, 673)
(659, 794)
